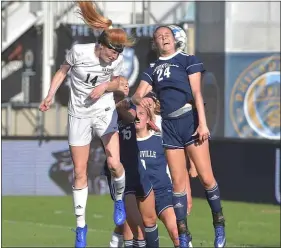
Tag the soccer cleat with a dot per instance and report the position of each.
(81, 236)
(185, 241)
(119, 214)
(220, 239)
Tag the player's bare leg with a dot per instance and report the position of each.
(111, 145)
(80, 155)
(200, 155)
(147, 209)
(135, 224)
(168, 218)
(177, 166)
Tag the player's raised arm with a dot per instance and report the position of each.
(125, 109)
(145, 86)
(55, 84)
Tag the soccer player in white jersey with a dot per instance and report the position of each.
(91, 109)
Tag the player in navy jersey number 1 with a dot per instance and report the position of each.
(153, 159)
(140, 229)
(175, 77)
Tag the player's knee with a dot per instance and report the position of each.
(208, 181)
(80, 172)
(149, 220)
(114, 165)
(179, 183)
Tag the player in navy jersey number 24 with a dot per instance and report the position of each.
(175, 77)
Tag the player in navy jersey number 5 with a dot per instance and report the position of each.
(176, 79)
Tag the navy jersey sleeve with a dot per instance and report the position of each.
(194, 65)
(132, 106)
(147, 75)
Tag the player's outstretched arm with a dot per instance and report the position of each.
(126, 112)
(143, 89)
(58, 79)
(55, 84)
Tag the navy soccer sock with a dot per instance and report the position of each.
(214, 200)
(151, 236)
(180, 208)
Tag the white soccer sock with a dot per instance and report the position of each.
(119, 185)
(80, 197)
(116, 240)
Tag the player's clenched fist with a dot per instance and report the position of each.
(45, 104)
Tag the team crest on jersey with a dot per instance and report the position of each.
(131, 65)
(163, 67)
(255, 100)
(107, 71)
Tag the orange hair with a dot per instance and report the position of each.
(92, 18)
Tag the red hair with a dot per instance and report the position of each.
(93, 19)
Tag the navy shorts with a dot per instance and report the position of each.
(163, 199)
(177, 133)
(137, 181)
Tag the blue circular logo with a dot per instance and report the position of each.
(255, 100)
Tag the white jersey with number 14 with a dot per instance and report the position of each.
(87, 72)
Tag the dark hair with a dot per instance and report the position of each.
(153, 43)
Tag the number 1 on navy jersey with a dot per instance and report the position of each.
(167, 73)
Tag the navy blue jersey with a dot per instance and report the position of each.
(129, 151)
(153, 159)
(128, 142)
(169, 78)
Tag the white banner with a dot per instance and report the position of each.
(31, 168)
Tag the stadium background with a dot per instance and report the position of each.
(239, 43)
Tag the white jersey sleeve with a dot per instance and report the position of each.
(119, 68)
(70, 56)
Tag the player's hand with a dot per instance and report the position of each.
(98, 91)
(153, 126)
(193, 172)
(46, 104)
(203, 133)
(146, 102)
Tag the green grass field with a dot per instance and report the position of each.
(47, 222)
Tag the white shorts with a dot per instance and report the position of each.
(82, 130)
